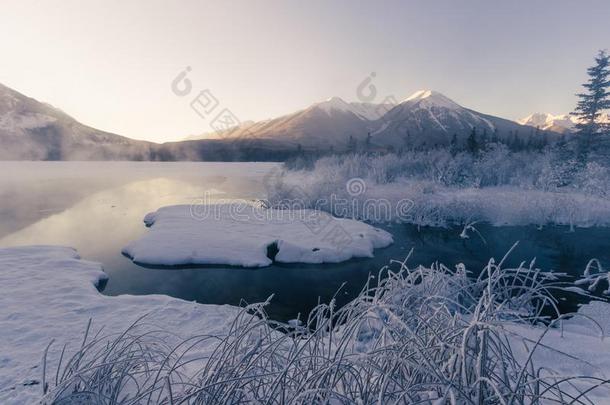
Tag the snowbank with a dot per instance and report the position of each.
(48, 293)
(242, 234)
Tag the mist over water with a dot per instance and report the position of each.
(98, 208)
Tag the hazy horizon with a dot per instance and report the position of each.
(110, 64)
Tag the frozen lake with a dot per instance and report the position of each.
(98, 207)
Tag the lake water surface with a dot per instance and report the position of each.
(98, 207)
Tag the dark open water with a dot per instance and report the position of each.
(98, 208)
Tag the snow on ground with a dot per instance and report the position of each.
(49, 293)
(242, 234)
(582, 349)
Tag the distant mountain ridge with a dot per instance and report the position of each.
(32, 130)
(328, 123)
(426, 118)
(563, 123)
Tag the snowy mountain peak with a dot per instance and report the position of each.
(541, 119)
(558, 123)
(19, 113)
(331, 105)
(546, 121)
(430, 98)
(364, 111)
(420, 94)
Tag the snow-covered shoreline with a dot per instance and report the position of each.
(47, 293)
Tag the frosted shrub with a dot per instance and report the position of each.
(494, 166)
(498, 166)
(418, 335)
(495, 185)
(594, 180)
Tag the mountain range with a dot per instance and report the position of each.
(563, 123)
(426, 118)
(32, 130)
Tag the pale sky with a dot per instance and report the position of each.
(110, 63)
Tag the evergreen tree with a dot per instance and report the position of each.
(453, 146)
(351, 144)
(564, 164)
(596, 98)
(471, 142)
(484, 139)
(516, 143)
(590, 106)
(543, 142)
(407, 141)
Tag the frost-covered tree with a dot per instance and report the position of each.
(352, 144)
(453, 145)
(564, 165)
(484, 139)
(596, 98)
(471, 142)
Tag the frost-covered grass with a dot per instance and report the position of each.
(413, 335)
(496, 186)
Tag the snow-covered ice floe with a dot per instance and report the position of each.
(48, 293)
(242, 234)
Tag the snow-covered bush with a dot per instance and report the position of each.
(417, 335)
(594, 180)
(495, 185)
